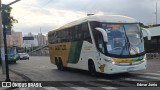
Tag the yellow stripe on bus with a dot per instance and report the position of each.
(123, 60)
(59, 50)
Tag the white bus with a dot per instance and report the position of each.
(106, 44)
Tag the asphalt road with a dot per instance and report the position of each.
(39, 68)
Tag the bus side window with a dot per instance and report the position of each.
(99, 41)
(77, 35)
(98, 37)
(85, 32)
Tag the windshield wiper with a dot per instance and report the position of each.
(128, 44)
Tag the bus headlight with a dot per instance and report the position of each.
(110, 61)
(113, 62)
(144, 58)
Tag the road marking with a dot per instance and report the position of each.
(116, 82)
(100, 85)
(22, 88)
(75, 86)
(150, 77)
(157, 74)
(103, 80)
(50, 88)
(133, 79)
(158, 71)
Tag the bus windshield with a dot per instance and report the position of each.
(124, 39)
(11, 51)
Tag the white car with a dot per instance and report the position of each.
(23, 56)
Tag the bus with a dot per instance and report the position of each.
(99, 43)
(12, 54)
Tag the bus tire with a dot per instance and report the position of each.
(91, 68)
(60, 64)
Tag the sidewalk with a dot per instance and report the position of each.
(13, 77)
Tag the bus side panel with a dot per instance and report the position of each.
(75, 52)
(59, 50)
(51, 53)
(68, 52)
(86, 52)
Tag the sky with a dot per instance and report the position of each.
(44, 15)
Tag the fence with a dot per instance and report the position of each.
(42, 51)
(151, 56)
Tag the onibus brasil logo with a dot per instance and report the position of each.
(20, 84)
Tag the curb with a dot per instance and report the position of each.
(17, 76)
(24, 77)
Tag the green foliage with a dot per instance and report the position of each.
(142, 25)
(7, 11)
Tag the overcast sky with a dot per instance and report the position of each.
(33, 15)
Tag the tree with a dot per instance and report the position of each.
(144, 26)
(7, 19)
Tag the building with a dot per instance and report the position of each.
(153, 45)
(15, 39)
(41, 39)
(9, 40)
(32, 40)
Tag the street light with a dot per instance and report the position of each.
(13, 2)
(4, 47)
(156, 13)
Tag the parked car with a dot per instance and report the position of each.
(23, 56)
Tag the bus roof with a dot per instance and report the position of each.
(101, 18)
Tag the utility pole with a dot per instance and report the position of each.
(3, 39)
(2, 50)
(156, 12)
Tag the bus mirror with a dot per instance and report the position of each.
(104, 33)
(147, 32)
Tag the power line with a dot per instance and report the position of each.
(156, 12)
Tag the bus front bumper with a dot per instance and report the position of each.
(113, 68)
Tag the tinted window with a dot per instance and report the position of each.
(76, 33)
(98, 37)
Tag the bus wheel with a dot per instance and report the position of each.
(60, 65)
(91, 68)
